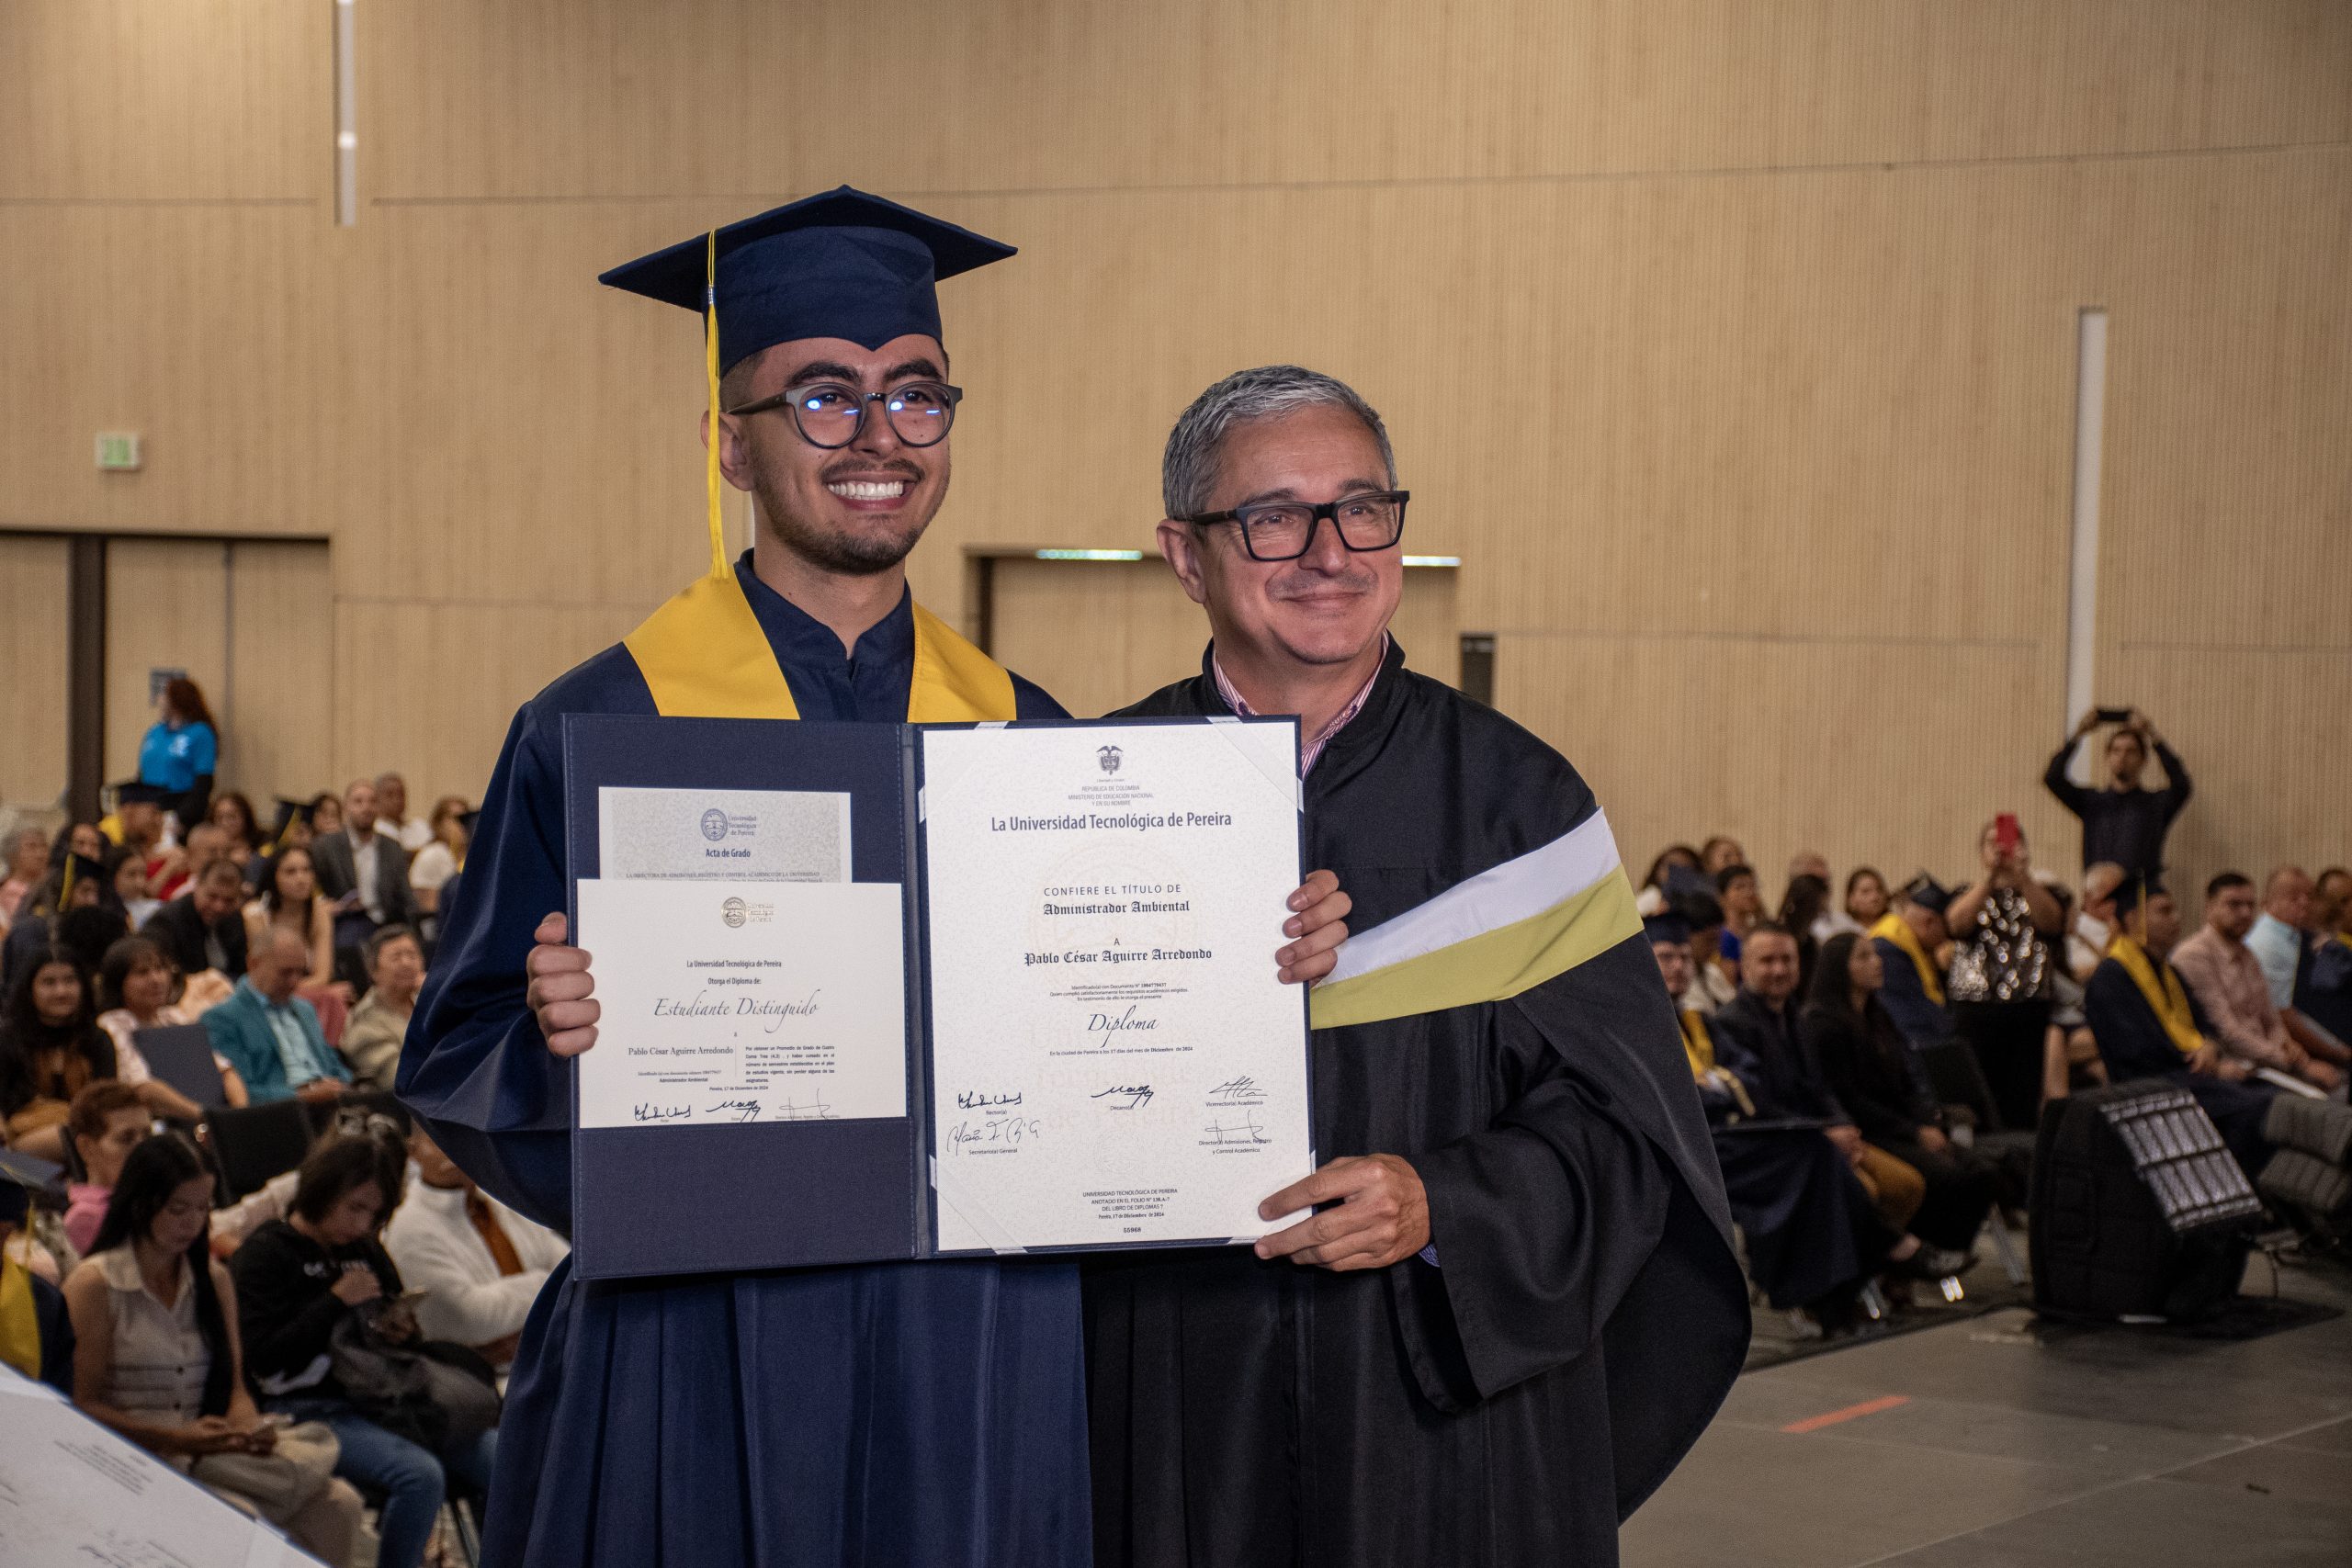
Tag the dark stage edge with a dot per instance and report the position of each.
(2017, 1445)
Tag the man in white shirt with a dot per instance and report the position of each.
(393, 819)
(479, 1263)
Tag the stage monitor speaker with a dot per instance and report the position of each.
(2138, 1210)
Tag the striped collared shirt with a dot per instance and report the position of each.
(1310, 746)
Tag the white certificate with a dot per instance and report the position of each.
(1113, 1062)
(744, 1002)
(746, 835)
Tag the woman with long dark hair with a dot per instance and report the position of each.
(51, 1049)
(233, 815)
(156, 1355)
(1870, 1068)
(289, 901)
(1803, 909)
(181, 750)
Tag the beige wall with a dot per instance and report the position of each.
(1730, 345)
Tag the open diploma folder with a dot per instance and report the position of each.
(886, 991)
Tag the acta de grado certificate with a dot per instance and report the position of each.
(1113, 1061)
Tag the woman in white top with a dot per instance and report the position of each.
(156, 1355)
(290, 901)
(442, 858)
(135, 984)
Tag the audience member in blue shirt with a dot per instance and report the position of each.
(181, 750)
(272, 1036)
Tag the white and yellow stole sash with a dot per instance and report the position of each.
(1700, 1047)
(1504, 931)
(2167, 1000)
(1896, 929)
(704, 656)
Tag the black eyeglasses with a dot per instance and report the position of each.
(1285, 530)
(831, 414)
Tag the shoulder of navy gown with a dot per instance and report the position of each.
(1030, 700)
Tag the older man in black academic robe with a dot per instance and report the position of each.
(1517, 1303)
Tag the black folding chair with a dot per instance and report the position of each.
(257, 1142)
(181, 1056)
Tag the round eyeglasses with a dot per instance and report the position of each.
(831, 414)
(1285, 530)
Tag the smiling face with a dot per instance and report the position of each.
(148, 985)
(855, 510)
(1768, 965)
(1327, 607)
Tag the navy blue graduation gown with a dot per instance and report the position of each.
(881, 1415)
(1512, 1403)
(2133, 1044)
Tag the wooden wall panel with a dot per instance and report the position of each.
(276, 714)
(33, 655)
(167, 607)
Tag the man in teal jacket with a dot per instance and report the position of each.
(272, 1036)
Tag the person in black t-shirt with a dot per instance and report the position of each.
(2123, 822)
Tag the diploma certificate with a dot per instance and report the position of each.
(1113, 1061)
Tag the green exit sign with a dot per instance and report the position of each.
(119, 450)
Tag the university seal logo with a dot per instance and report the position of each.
(734, 912)
(714, 824)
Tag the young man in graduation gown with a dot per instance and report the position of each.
(922, 1413)
(1517, 1304)
(1813, 1237)
(1907, 937)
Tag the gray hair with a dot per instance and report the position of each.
(1188, 470)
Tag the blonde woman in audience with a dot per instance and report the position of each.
(135, 987)
(443, 857)
(289, 901)
(156, 1357)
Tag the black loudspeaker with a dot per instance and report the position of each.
(2139, 1211)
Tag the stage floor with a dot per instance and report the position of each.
(1999, 1442)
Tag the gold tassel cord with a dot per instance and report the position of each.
(718, 566)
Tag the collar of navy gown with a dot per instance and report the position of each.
(869, 683)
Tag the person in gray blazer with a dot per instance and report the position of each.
(366, 872)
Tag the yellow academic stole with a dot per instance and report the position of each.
(2168, 1001)
(704, 656)
(19, 1322)
(1897, 929)
(1700, 1047)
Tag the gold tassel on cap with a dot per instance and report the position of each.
(718, 566)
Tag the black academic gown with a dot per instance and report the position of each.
(871, 1416)
(1512, 1403)
(2133, 1044)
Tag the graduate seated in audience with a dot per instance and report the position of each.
(1877, 1078)
(1716, 983)
(1908, 937)
(157, 1357)
(2226, 978)
(107, 1119)
(299, 1280)
(202, 932)
(51, 1049)
(371, 1041)
(270, 1036)
(1812, 1234)
(135, 986)
(36, 1334)
(479, 1263)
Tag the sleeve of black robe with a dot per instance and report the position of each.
(1589, 1209)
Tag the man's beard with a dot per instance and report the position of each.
(849, 554)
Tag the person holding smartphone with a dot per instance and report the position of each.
(1999, 982)
(2123, 822)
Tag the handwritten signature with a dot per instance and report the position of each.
(662, 1112)
(973, 1100)
(815, 1111)
(1003, 1131)
(1236, 1091)
(1125, 1096)
(1248, 1132)
(742, 1109)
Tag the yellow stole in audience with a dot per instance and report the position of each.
(704, 656)
(2167, 1000)
(19, 1325)
(1896, 929)
(1700, 1047)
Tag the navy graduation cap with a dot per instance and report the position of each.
(843, 264)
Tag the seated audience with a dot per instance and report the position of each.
(2122, 822)
(1705, 915)
(2284, 941)
(1812, 1234)
(2148, 1026)
(298, 1279)
(135, 983)
(2226, 979)
(290, 902)
(1805, 914)
(27, 863)
(233, 815)
(157, 1358)
(106, 1121)
(443, 855)
(78, 884)
(479, 1263)
(2323, 981)
(371, 1043)
(203, 933)
(1907, 936)
(2070, 1056)
(51, 1049)
(270, 1035)
(364, 873)
(1873, 1071)
(36, 1334)
(129, 883)
(205, 845)
(1998, 982)
(392, 820)
(2093, 928)
(1866, 899)
(324, 813)
(1743, 903)
(1719, 852)
(1825, 921)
